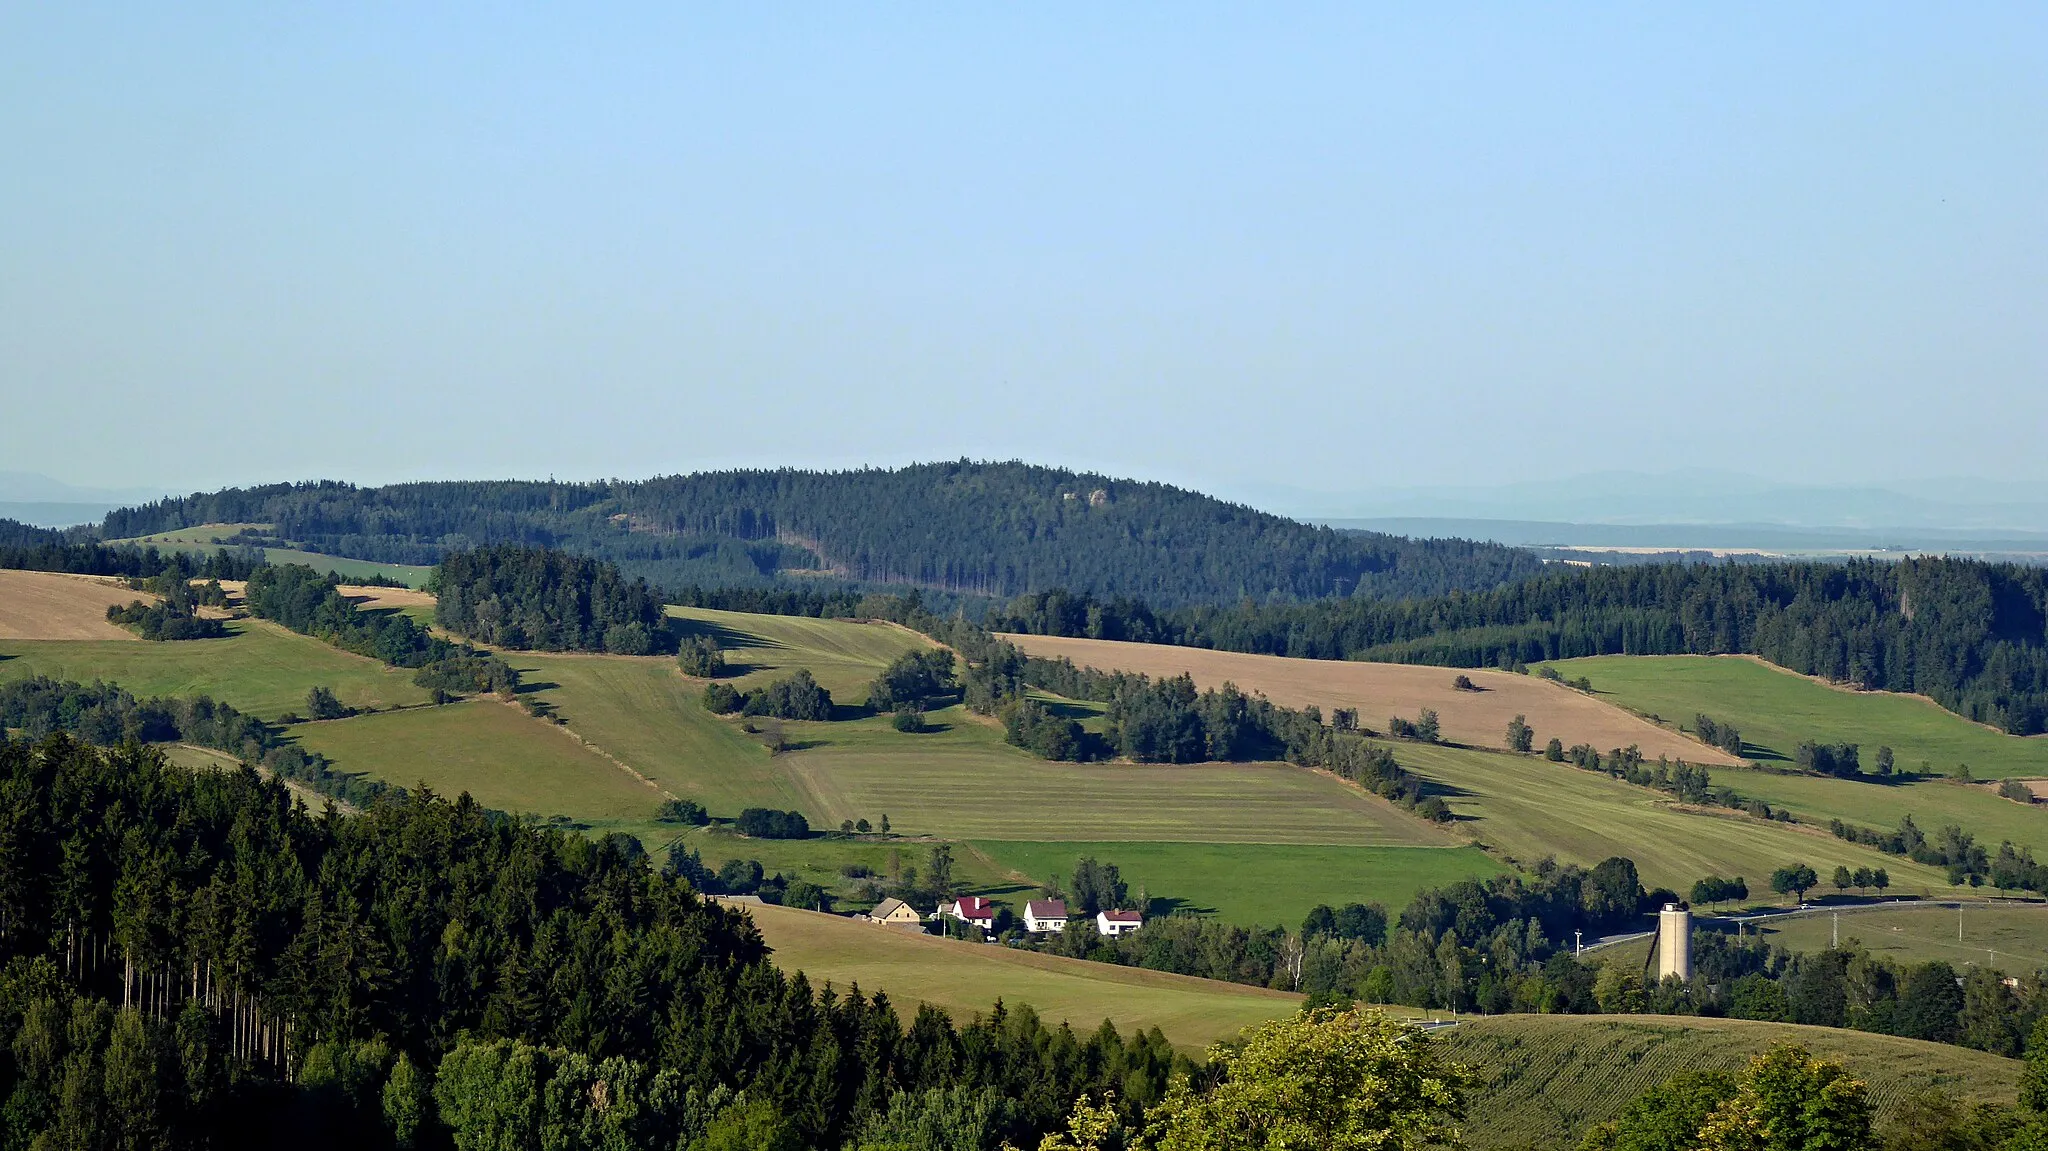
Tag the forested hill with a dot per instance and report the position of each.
(980, 528)
(1971, 635)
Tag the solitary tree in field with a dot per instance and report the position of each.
(1426, 727)
(1521, 737)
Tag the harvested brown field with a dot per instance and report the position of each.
(386, 597)
(51, 605)
(1379, 690)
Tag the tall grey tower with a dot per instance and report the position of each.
(1674, 942)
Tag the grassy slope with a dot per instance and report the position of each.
(2017, 932)
(1272, 884)
(207, 537)
(646, 713)
(260, 668)
(842, 655)
(965, 781)
(1550, 1077)
(1776, 710)
(1530, 807)
(966, 978)
(1933, 803)
(504, 758)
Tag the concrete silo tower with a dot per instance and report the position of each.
(1674, 942)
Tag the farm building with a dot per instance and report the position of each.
(1043, 915)
(1115, 923)
(896, 913)
(973, 909)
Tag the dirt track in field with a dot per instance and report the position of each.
(50, 605)
(1381, 690)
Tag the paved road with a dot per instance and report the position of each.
(1812, 909)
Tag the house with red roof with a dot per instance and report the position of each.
(1115, 923)
(973, 909)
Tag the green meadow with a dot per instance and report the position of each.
(1777, 710)
(498, 754)
(1545, 1079)
(1259, 885)
(967, 979)
(205, 538)
(1529, 808)
(259, 667)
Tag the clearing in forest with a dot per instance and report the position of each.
(968, 978)
(1546, 1079)
(1776, 710)
(1529, 807)
(55, 606)
(1380, 690)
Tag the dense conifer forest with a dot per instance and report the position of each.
(522, 597)
(193, 960)
(980, 528)
(1971, 635)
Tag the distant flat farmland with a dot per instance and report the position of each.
(1380, 690)
(47, 605)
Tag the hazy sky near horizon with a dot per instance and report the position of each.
(1333, 247)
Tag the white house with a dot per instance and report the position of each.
(973, 909)
(1115, 923)
(896, 913)
(1042, 915)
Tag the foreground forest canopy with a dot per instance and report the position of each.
(1971, 635)
(977, 528)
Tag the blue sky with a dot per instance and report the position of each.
(1336, 248)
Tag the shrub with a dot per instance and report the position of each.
(909, 720)
(700, 656)
(722, 699)
(684, 811)
(768, 823)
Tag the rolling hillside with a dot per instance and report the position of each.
(1478, 717)
(1547, 1078)
(980, 528)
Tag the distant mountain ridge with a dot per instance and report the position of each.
(996, 529)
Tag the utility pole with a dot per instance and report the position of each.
(1578, 944)
(1959, 921)
(1835, 940)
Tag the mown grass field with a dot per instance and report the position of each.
(1546, 1079)
(211, 537)
(842, 655)
(1477, 718)
(1262, 885)
(965, 782)
(821, 858)
(1530, 808)
(968, 978)
(2017, 932)
(505, 758)
(260, 668)
(645, 712)
(1777, 710)
(1933, 804)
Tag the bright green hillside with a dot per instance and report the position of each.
(1776, 710)
(1530, 808)
(1547, 1078)
(260, 668)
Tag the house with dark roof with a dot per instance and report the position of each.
(1044, 915)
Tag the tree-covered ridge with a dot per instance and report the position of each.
(185, 955)
(980, 528)
(522, 597)
(1971, 635)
